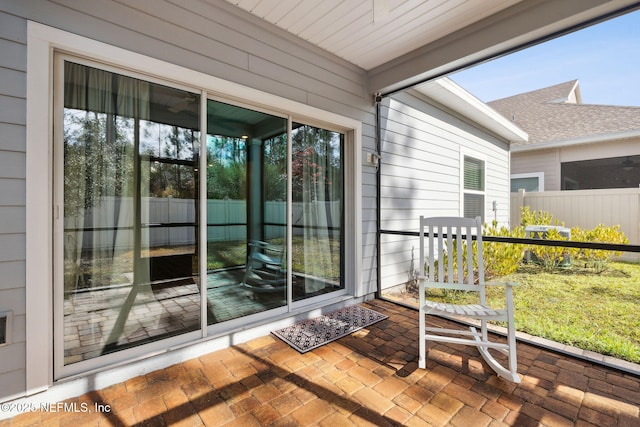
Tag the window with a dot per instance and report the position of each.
(474, 173)
(528, 182)
(613, 172)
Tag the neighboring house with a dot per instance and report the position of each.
(443, 153)
(572, 146)
(126, 125)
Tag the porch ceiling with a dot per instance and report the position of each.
(401, 43)
(369, 33)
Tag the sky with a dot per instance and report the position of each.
(605, 58)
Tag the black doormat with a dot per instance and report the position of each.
(312, 333)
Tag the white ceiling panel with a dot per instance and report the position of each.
(369, 33)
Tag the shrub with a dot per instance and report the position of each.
(501, 259)
(551, 257)
(529, 217)
(598, 258)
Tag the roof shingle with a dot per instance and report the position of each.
(555, 113)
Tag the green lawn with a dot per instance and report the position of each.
(578, 307)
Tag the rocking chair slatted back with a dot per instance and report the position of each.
(453, 265)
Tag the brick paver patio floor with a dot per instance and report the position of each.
(368, 378)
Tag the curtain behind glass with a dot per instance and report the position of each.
(318, 203)
(110, 302)
(98, 189)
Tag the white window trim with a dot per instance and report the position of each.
(42, 41)
(539, 175)
(478, 156)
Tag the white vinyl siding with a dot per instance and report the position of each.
(421, 174)
(13, 67)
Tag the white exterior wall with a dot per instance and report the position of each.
(208, 37)
(421, 170)
(13, 66)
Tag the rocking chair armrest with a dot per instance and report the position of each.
(505, 284)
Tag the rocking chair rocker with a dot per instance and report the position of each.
(264, 272)
(450, 266)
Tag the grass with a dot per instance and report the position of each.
(578, 307)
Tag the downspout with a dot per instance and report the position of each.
(378, 101)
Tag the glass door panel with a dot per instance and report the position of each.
(246, 212)
(318, 211)
(129, 197)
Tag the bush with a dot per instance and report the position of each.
(529, 217)
(598, 258)
(501, 259)
(551, 257)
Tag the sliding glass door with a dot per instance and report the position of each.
(130, 154)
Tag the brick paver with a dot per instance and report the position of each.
(368, 378)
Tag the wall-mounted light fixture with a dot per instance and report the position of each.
(373, 159)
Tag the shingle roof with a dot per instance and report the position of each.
(556, 113)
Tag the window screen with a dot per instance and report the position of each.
(473, 174)
(474, 188)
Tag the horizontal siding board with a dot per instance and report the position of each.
(14, 300)
(12, 28)
(13, 383)
(13, 357)
(13, 274)
(12, 164)
(14, 55)
(13, 192)
(12, 137)
(12, 110)
(12, 248)
(12, 219)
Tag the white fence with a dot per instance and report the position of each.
(226, 221)
(586, 209)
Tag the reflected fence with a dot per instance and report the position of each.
(170, 222)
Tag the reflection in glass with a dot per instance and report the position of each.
(246, 211)
(129, 233)
(318, 210)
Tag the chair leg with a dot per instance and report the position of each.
(511, 336)
(422, 359)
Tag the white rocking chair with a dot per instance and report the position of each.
(446, 269)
